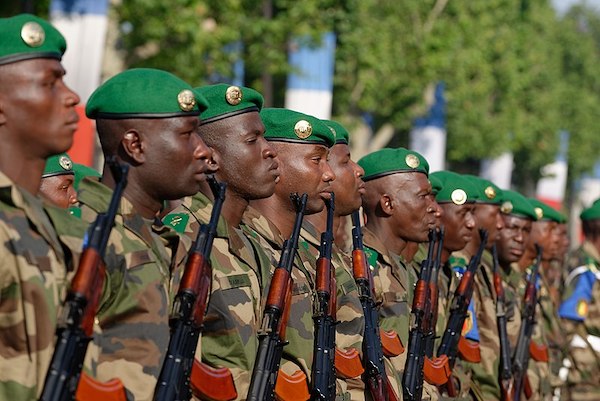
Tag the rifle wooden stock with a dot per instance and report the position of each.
(437, 371)
(81, 305)
(291, 387)
(539, 352)
(212, 384)
(348, 363)
(90, 389)
(469, 350)
(391, 343)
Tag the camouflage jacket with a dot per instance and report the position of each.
(233, 316)
(298, 353)
(141, 260)
(580, 313)
(35, 267)
(351, 324)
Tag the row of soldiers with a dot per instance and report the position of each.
(172, 136)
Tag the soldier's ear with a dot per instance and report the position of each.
(131, 144)
(386, 204)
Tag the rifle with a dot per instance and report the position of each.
(189, 308)
(458, 311)
(521, 357)
(323, 367)
(506, 382)
(436, 371)
(81, 305)
(271, 337)
(374, 376)
(421, 316)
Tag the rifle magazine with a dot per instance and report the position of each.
(348, 363)
(437, 371)
(212, 384)
(390, 343)
(469, 350)
(90, 389)
(291, 387)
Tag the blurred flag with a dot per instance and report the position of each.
(310, 84)
(551, 187)
(498, 170)
(83, 24)
(428, 136)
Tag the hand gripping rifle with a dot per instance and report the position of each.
(458, 311)
(506, 382)
(323, 367)
(271, 337)
(189, 308)
(521, 357)
(421, 315)
(436, 371)
(81, 305)
(374, 376)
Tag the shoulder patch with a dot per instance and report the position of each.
(371, 255)
(470, 328)
(575, 307)
(177, 221)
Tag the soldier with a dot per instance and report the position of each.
(580, 311)
(35, 261)
(348, 188)
(232, 127)
(57, 182)
(456, 198)
(302, 143)
(399, 210)
(147, 118)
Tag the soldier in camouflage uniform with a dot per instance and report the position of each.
(580, 312)
(399, 209)
(232, 127)
(302, 143)
(57, 182)
(348, 187)
(484, 384)
(35, 262)
(147, 118)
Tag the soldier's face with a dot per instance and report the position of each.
(247, 161)
(459, 224)
(348, 185)
(488, 217)
(545, 234)
(59, 190)
(414, 208)
(513, 239)
(37, 107)
(304, 168)
(175, 157)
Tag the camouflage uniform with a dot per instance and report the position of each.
(34, 272)
(141, 258)
(349, 309)
(234, 308)
(580, 311)
(298, 354)
(391, 284)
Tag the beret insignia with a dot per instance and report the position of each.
(186, 100)
(490, 192)
(233, 95)
(506, 207)
(539, 213)
(412, 161)
(303, 129)
(33, 34)
(65, 163)
(458, 196)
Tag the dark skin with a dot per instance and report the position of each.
(32, 91)
(545, 234)
(400, 209)
(488, 217)
(564, 243)
(155, 149)
(58, 190)
(304, 168)
(513, 240)
(249, 163)
(459, 225)
(411, 248)
(348, 188)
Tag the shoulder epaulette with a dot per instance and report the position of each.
(372, 256)
(177, 221)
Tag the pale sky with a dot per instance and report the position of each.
(563, 5)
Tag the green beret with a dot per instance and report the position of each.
(227, 100)
(81, 171)
(592, 212)
(341, 133)
(436, 184)
(144, 93)
(58, 165)
(388, 161)
(284, 125)
(455, 188)
(487, 191)
(545, 212)
(513, 203)
(26, 36)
